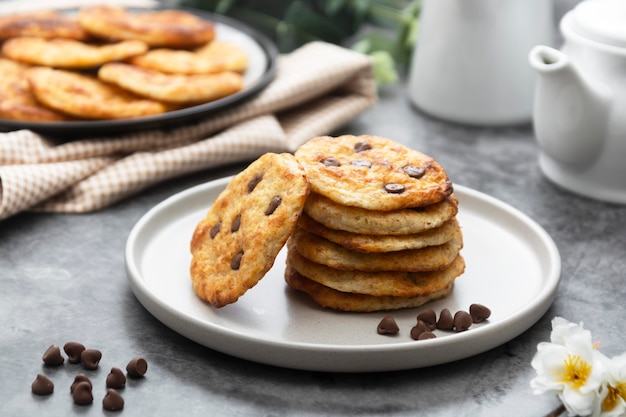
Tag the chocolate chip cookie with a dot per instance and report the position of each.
(372, 172)
(238, 240)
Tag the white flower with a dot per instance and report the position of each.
(569, 366)
(613, 392)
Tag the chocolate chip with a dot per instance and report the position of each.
(393, 188)
(137, 367)
(414, 172)
(429, 317)
(236, 223)
(426, 335)
(78, 379)
(42, 385)
(479, 313)
(112, 401)
(116, 379)
(73, 351)
(254, 182)
(445, 322)
(276, 201)
(387, 325)
(90, 358)
(362, 146)
(82, 394)
(215, 229)
(462, 321)
(52, 356)
(235, 263)
(361, 163)
(330, 162)
(418, 329)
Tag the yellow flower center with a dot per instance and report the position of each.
(575, 371)
(615, 393)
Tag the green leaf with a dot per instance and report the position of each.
(384, 68)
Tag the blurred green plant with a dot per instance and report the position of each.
(384, 29)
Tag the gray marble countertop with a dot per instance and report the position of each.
(62, 278)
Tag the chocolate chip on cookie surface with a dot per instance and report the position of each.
(250, 221)
(372, 172)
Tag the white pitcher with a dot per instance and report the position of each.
(470, 62)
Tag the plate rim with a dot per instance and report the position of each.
(84, 128)
(509, 327)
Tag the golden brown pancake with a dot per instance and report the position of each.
(173, 88)
(17, 101)
(68, 53)
(212, 58)
(45, 24)
(87, 97)
(166, 28)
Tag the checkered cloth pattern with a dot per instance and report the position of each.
(317, 89)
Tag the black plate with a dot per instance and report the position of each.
(261, 70)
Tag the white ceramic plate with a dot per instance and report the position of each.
(513, 267)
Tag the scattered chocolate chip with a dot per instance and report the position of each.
(330, 162)
(418, 329)
(73, 351)
(462, 321)
(276, 201)
(387, 326)
(236, 223)
(112, 401)
(362, 146)
(82, 394)
(254, 182)
(235, 263)
(52, 356)
(445, 322)
(90, 358)
(479, 313)
(215, 229)
(361, 163)
(393, 188)
(429, 317)
(426, 335)
(42, 385)
(116, 379)
(137, 367)
(414, 172)
(78, 379)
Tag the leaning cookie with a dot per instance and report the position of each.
(238, 240)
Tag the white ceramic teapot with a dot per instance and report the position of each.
(579, 112)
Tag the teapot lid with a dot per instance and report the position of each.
(601, 21)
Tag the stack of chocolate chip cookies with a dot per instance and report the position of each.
(378, 230)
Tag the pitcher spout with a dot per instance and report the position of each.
(570, 112)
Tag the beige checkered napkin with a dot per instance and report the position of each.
(318, 88)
